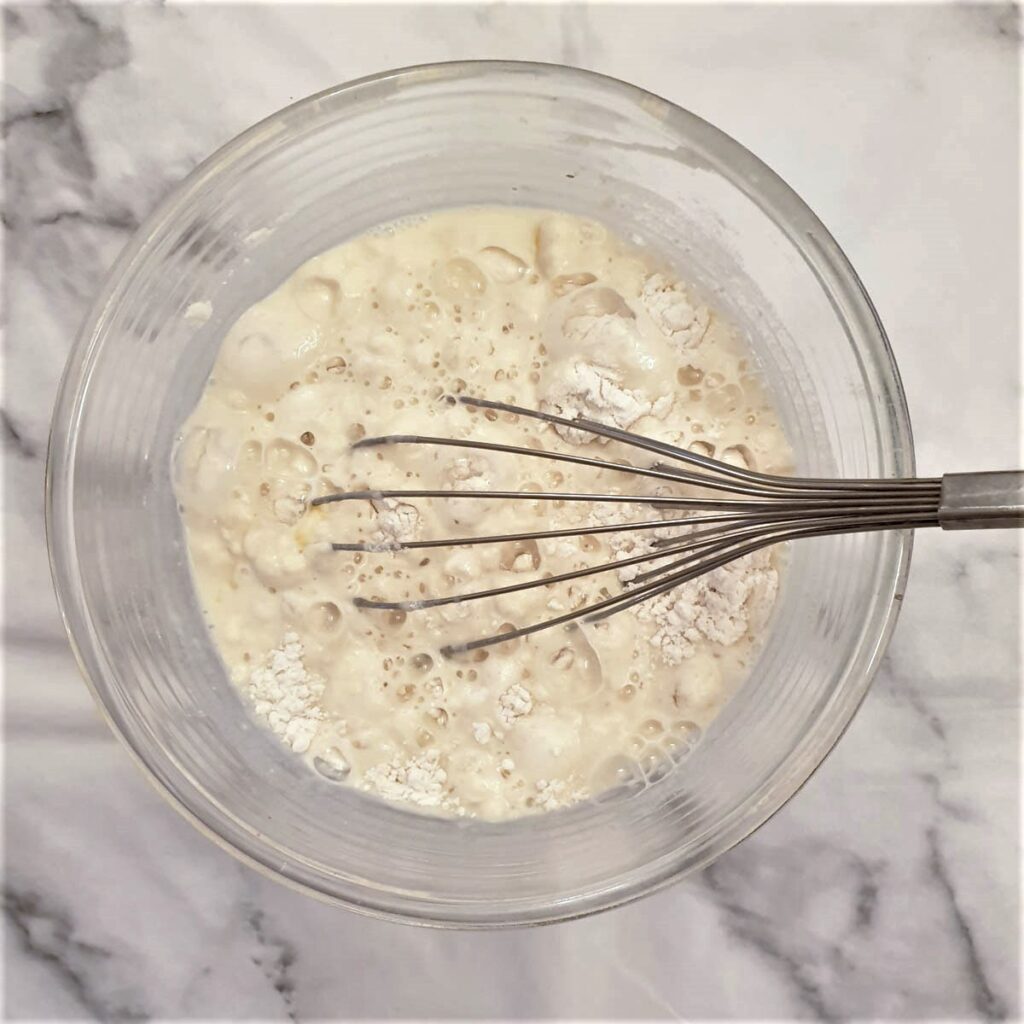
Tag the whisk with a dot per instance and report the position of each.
(740, 512)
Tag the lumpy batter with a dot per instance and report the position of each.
(539, 309)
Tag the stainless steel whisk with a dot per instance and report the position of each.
(760, 510)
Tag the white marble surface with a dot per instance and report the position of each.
(889, 888)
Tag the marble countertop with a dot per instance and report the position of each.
(890, 886)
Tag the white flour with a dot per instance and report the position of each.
(416, 780)
(723, 606)
(582, 385)
(670, 308)
(397, 522)
(555, 793)
(515, 703)
(594, 393)
(288, 696)
(720, 606)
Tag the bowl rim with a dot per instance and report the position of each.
(744, 170)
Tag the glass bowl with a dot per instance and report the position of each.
(326, 169)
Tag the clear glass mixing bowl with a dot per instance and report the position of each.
(322, 171)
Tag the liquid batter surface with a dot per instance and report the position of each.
(536, 308)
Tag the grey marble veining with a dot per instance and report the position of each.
(889, 887)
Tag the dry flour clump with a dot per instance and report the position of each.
(592, 387)
(586, 391)
(397, 521)
(417, 780)
(555, 793)
(669, 306)
(723, 606)
(514, 703)
(288, 696)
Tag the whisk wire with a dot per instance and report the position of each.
(762, 510)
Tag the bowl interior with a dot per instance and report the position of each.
(324, 171)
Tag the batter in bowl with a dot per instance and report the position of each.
(536, 308)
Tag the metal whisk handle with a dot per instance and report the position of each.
(982, 501)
